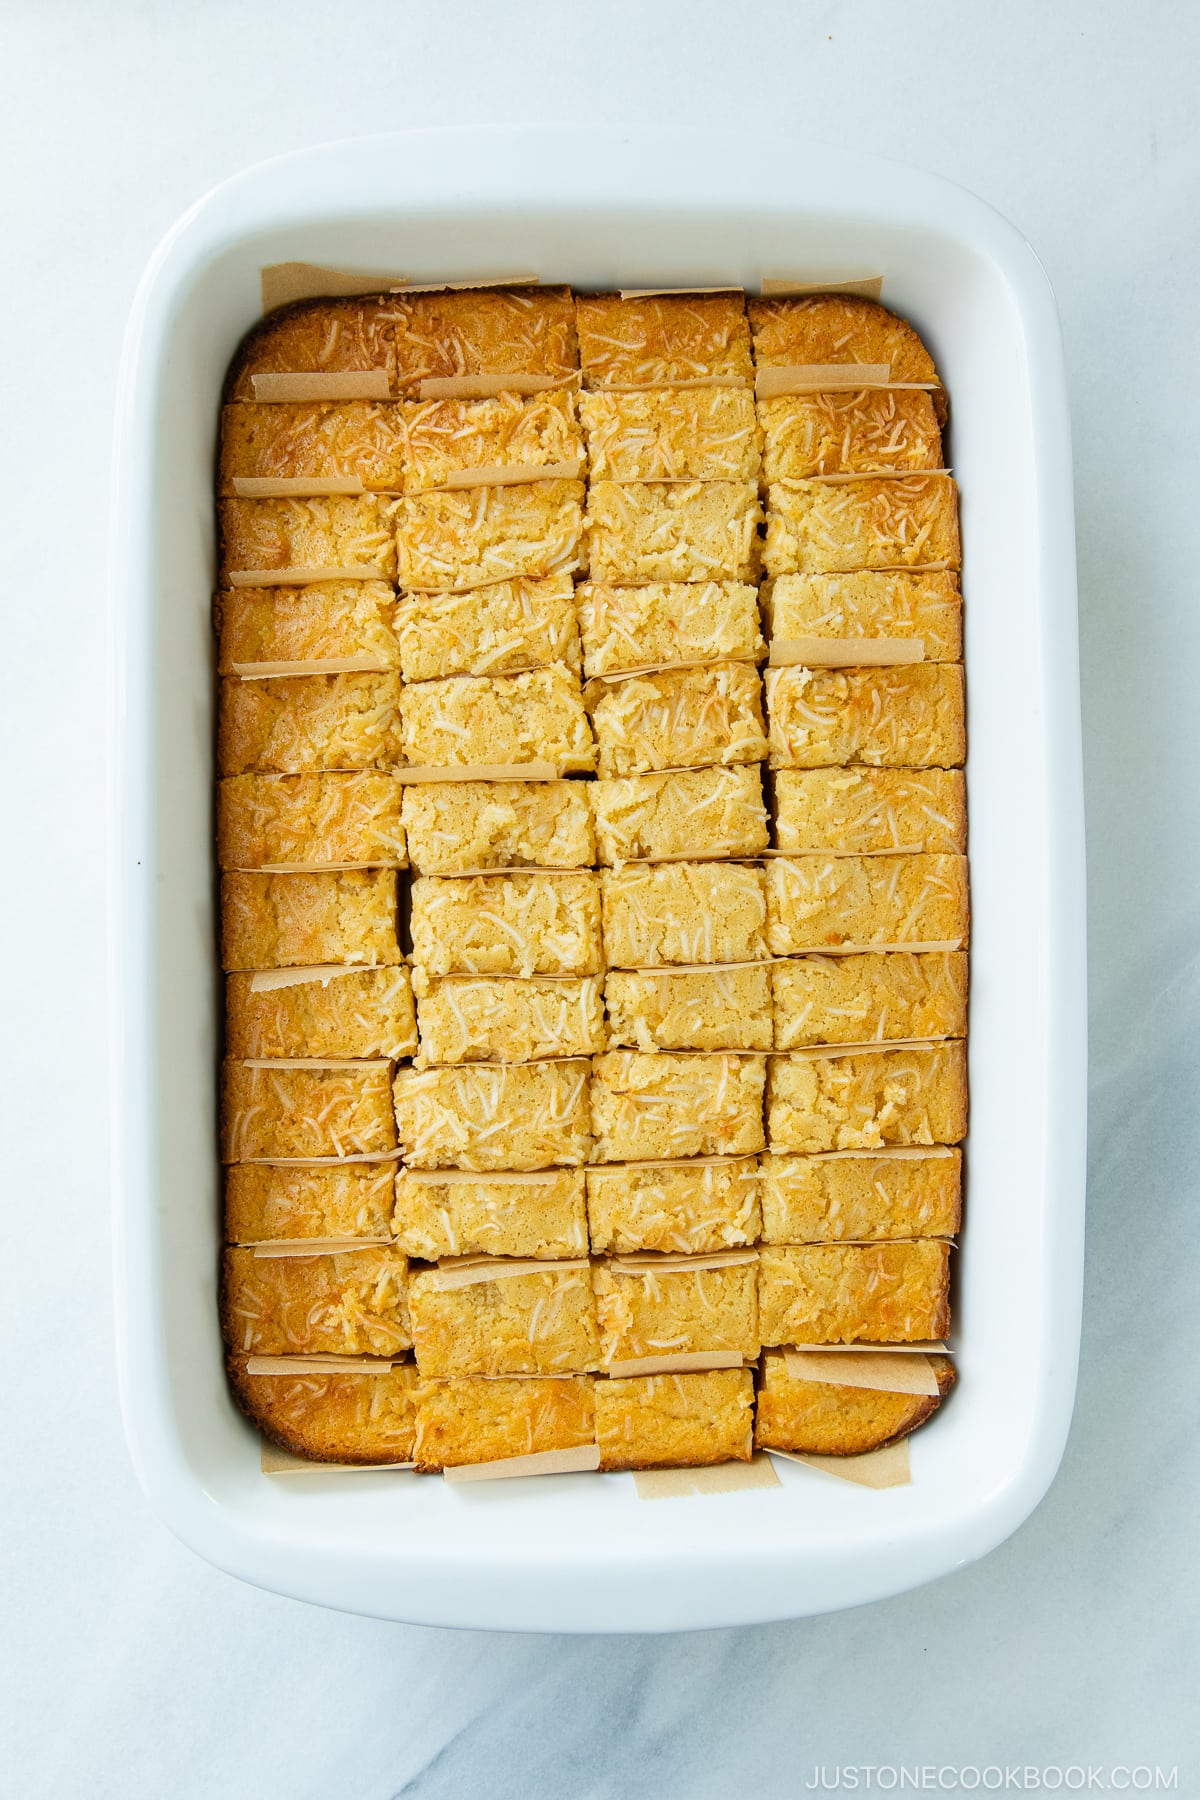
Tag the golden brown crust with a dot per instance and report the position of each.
(848, 433)
(322, 337)
(317, 440)
(347, 818)
(889, 1293)
(333, 619)
(683, 912)
(867, 1099)
(904, 717)
(504, 331)
(816, 901)
(516, 1116)
(508, 924)
(866, 999)
(474, 1419)
(455, 826)
(497, 1019)
(681, 1209)
(525, 1136)
(469, 721)
(688, 813)
(672, 434)
(669, 1105)
(645, 1312)
(444, 439)
(511, 331)
(817, 1418)
(275, 1110)
(344, 1012)
(678, 531)
(923, 610)
(543, 1217)
(542, 1322)
(348, 1303)
(310, 723)
(502, 629)
(342, 531)
(663, 339)
(861, 811)
(351, 1418)
(678, 718)
(675, 1421)
(298, 921)
(265, 1201)
(836, 328)
(471, 537)
(627, 628)
(708, 1009)
(875, 522)
(860, 1197)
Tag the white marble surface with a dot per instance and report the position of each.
(132, 1669)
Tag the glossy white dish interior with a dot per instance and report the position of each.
(632, 208)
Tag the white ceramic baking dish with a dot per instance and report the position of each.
(603, 208)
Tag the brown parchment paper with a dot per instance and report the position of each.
(890, 1467)
(715, 1478)
(785, 287)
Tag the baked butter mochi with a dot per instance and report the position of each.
(590, 824)
(835, 1418)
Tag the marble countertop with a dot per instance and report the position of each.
(134, 1669)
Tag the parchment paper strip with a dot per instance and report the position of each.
(285, 283)
(542, 1462)
(874, 1469)
(640, 1263)
(485, 386)
(265, 487)
(782, 287)
(513, 474)
(314, 868)
(919, 1347)
(365, 664)
(321, 1365)
(897, 1151)
(845, 475)
(301, 577)
(678, 1162)
(321, 1162)
(659, 668)
(881, 1371)
(508, 869)
(279, 1249)
(472, 1271)
(844, 653)
(439, 1177)
(820, 378)
(715, 1478)
(730, 287)
(530, 771)
(265, 981)
(682, 1362)
(914, 949)
(824, 1052)
(316, 1062)
(338, 384)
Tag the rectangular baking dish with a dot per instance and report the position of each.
(603, 208)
